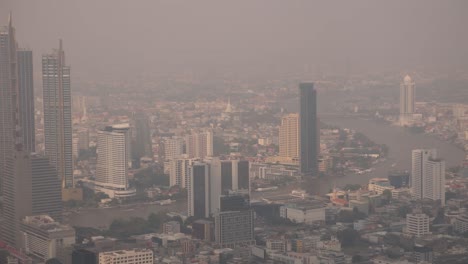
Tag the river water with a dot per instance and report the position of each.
(401, 143)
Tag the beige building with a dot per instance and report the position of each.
(134, 256)
(289, 136)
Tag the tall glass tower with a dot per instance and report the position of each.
(57, 114)
(309, 132)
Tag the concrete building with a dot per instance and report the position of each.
(173, 147)
(8, 91)
(199, 144)
(427, 175)
(179, 170)
(234, 228)
(417, 224)
(141, 137)
(309, 212)
(171, 227)
(44, 238)
(289, 136)
(134, 256)
(31, 187)
(460, 224)
(57, 114)
(112, 161)
(379, 185)
(309, 143)
(406, 101)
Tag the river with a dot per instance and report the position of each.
(401, 143)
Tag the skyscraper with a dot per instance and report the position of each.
(427, 175)
(9, 117)
(57, 114)
(199, 190)
(179, 171)
(26, 98)
(289, 136)
(31, 187)
(406, 100)
(141, 138)
(309, 131)
(112, 160)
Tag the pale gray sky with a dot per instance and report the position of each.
(119, 38)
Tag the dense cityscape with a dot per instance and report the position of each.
(186, 168)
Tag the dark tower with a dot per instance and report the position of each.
(309, 137)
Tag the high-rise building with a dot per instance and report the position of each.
(309, 131)
(289, 136)
(199, 190)
(112, 161)
(46, 188)
(406, 100)
(179, 171)
(173, 147)
(417, 224)
(57, 114)
(199, 144)
(17, 197)
(26, 97)
(234, 228)
(141, 137)
(44, 238)
(31, 188)
(427, 175)
(9, 101)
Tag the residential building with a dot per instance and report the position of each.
(289, 136)
(112, 161)
(417, 224)
(57, 114)
(199, 144)
(173, 147)
(309, 131)
(43, 237)
(427, 175)
(179, 170)
(379, 185)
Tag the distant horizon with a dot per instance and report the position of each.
(119, 40)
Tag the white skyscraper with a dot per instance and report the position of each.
(406, 101)
(112, 160)
(173, 147)
(427, 175)
(179, 171)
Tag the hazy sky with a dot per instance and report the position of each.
(107, 38)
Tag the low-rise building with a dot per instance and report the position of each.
(133, 256)
(307, 212)
(44, 238)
